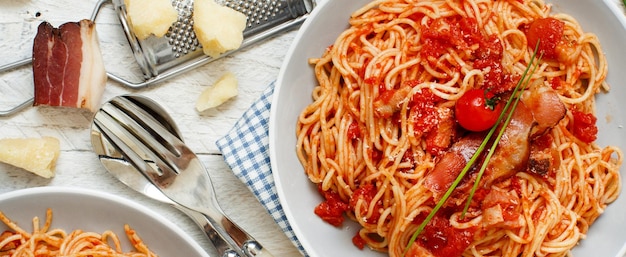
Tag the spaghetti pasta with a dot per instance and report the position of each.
(382, 117)
(44, 241)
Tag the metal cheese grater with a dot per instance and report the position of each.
(179, 50)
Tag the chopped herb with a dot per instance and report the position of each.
(491, 102)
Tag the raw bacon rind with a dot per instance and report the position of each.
(68, 68)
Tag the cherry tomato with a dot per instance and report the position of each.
(478, 110)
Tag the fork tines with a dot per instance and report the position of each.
(140, 136)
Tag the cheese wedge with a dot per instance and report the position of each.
(37, 155)
(150, 17)
(218, 28)
(225, 88)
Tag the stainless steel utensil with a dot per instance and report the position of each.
(179, 51)
(114, 162)
(145, 136)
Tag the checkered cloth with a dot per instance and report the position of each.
(246, 150)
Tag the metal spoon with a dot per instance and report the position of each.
(136, 129)
(123, 170)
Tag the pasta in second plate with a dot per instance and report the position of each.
(44, 241)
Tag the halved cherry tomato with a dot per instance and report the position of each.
(478, 110)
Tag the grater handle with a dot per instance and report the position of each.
(28, 102)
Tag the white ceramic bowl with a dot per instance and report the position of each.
(293, 92)
(89, 210)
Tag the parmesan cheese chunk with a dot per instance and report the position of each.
(37, 155)
(225, 88)
(150, 17)
(218, 28)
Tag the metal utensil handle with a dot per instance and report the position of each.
(206, 224)
(124, 124)
(223, 232)
(250, 246)
(210, 219)
(214, 230)
(127, 173)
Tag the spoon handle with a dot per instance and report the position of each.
(254, 249)
(205, 223)
(225, 234)
(237, 237)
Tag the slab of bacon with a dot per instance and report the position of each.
(68, 69)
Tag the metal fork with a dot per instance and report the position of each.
(170, 165)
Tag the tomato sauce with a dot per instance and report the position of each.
(450, 32)
(358, 241)
(463, 34)
(11, 245)
(354, 132)
(367, 193)
(556, 83)
(516, 184)
(424, 110)
(331, 210)
(384, 94)
(543, 142)
(549, 33)
(584, 126)
(443, 240)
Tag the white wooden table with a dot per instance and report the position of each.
(78, 165)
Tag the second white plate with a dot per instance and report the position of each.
(94, 211)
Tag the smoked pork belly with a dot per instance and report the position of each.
(68, 69)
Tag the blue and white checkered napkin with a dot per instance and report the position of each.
(246, 150)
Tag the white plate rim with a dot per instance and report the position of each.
(27, 193)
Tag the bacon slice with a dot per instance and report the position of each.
(510, 156)
(543, 160)
(513, 149)
(546, 107)
(67, 65)
(543, 111)
(547, 110)
(501, 209)
(391, 102)
(440, 138)
(451, 164)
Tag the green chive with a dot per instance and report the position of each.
(499, 136)
(478, 152)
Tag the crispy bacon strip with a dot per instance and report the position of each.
(513, 149)
(451, 164)
(539, 110)
(546, 107)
